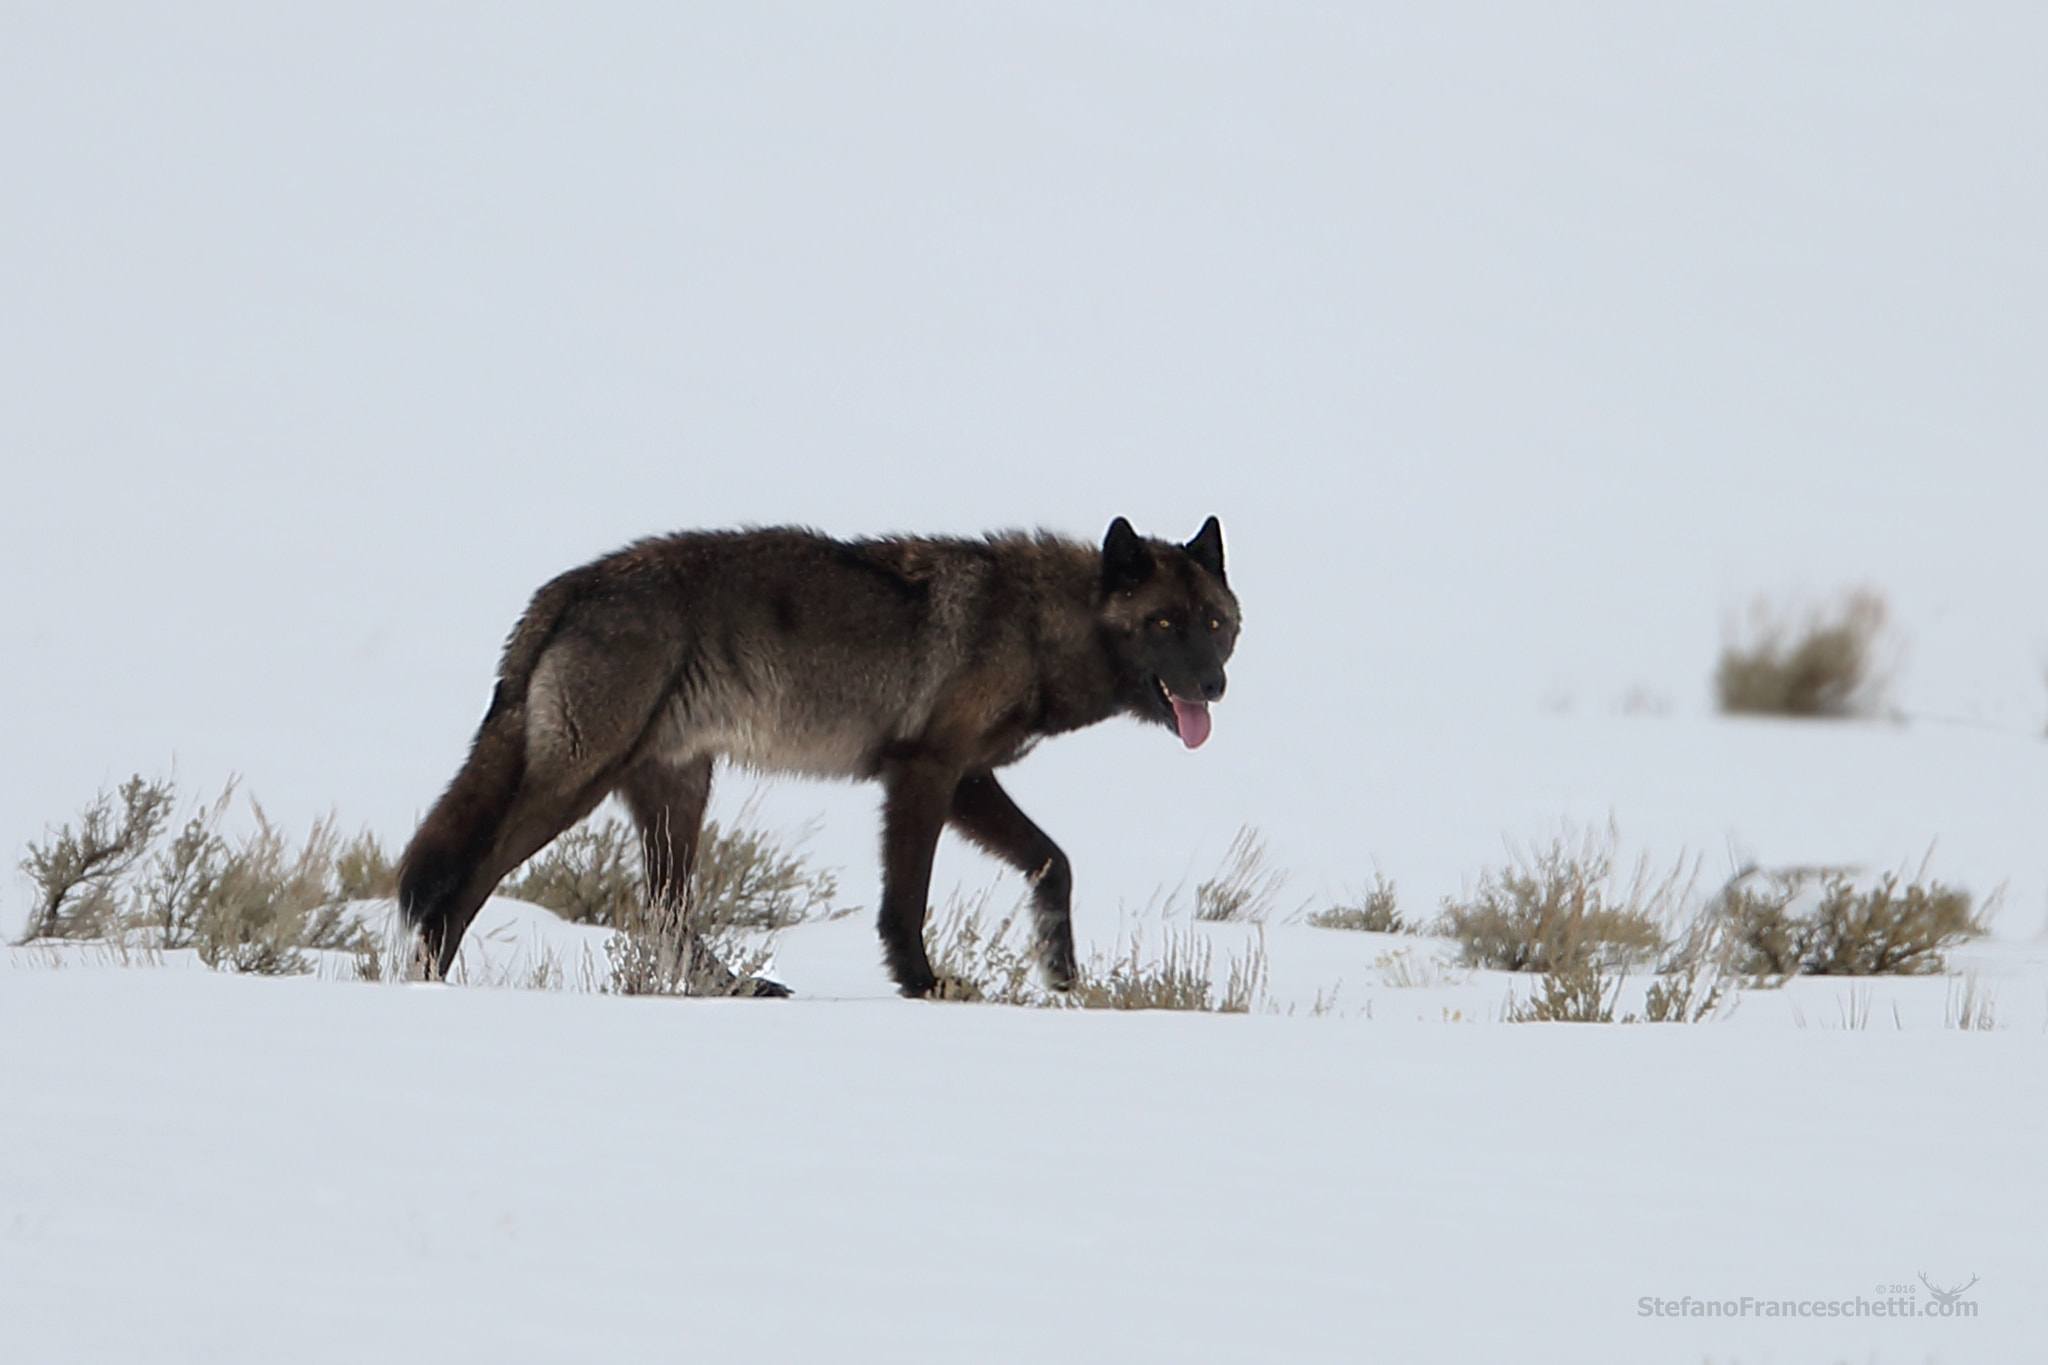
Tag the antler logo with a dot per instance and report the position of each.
(1947, 1298)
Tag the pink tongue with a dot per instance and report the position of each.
(1192, 719)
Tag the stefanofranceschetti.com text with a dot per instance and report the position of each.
(1893, 1301)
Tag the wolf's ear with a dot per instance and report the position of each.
(1125, 561)
(1206, 549)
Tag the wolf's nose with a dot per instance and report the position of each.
(1212, 687)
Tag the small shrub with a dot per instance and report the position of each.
(78, 874)
(271, 903)
(588, 875)
(749, 880)
(1887, 929)
(1685, 995)
(186, 876)
(744, 882)
(692, 948)
(1375, 913)
(254, 906)
(1693, 979)
(647, 960)
(743, 878)
(1761, 940)
(1559, 910)
(1825, 666)
(1243, 889)
(1891, 928)
(1587, 994)
(1579, 994)
(363, 871)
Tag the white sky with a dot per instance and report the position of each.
(1514, 350)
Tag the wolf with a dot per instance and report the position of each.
(921, 663)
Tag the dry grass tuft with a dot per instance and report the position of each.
(1376, 912)
(1244, 889)
(1409, 969)
(1970, 1007)
(1826, 665)
(1178, 977)
(979, 957)
(1580, 994)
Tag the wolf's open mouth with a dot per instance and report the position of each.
(1190, 718)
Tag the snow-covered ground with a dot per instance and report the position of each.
(210, 1168)
(1518, 351)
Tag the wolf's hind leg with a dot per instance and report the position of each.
(984, 812)
(667, 801)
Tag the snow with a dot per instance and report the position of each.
(1517, 354)
(203, 1167)
(327, 1170)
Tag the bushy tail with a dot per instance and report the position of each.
(436, 872)
(459, 833)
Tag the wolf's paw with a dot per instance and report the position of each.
(918, 985)
(761, 988)
(1057, 961)
(954, 988)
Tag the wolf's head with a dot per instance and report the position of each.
(1171, 620)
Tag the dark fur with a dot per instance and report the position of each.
(924, 664)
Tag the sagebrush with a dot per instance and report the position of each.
(255, 904)
(744, 885)
(1562, 908)
(80, 874)
(1809, 922)
(1825, 664)
(743, 877)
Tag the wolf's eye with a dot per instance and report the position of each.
(1162, 623)
(1215, 624)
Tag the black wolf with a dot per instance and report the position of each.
(921, 663)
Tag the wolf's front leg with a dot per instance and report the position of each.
(984, 812)
(917, 792)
